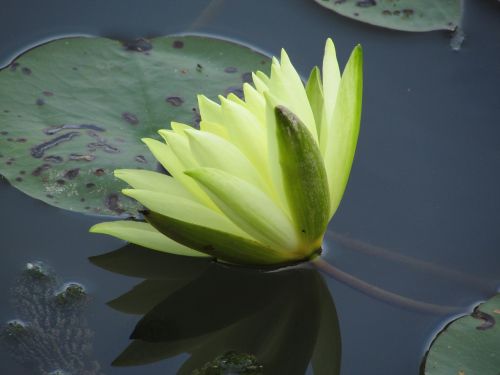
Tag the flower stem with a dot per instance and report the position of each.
(431, 268)
(379, 293)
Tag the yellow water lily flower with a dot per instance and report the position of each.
(260, 180)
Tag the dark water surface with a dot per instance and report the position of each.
(425, 181)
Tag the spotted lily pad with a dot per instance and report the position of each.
(75, 109)
(406, 15)
(470, 345)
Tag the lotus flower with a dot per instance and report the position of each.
(261, 179)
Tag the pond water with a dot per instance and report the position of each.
(424, 185)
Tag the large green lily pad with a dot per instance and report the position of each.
(73, 110)
(406, 15)
(470, 345)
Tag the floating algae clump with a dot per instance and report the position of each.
(232, 363)
(50, 335)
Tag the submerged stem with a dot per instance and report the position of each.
(431, 268)
(379, 293)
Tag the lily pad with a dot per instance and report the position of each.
(75, 109)
(470, 345)
(406, 15)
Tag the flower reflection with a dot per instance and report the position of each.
(285, 318)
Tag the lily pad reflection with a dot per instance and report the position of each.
(285, 318)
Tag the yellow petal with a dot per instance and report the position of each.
(143, 234)
(215, 152)
(248, 207)
(172, 164)
(154, 181)
(183, 209)
(344, 129)
(331, 81)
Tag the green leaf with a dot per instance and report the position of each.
(222, 245)
(469, 345)
(73, 110)
(341, 135)
(304, 176)
(406, 15)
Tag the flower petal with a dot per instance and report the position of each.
(248, 207)
(304, 176)
(331, 81)
(212, 151)
(143, 234)
(285, 84)
(245, 133)
(209, 110)
(224, 246)
(164, 154)
(183, 209)
(179, 127)
(255, 103)
(314, 92)
(154, 181)
(344, 129)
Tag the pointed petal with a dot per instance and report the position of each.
(235, 99)
(212, 127)
(255, 103)
(344, 129)
(291, 93)
(180, 146)
(248, 207)
(260, 84)
(304, 176)
(245, 133)
(182, 209)
(179, 127)
(314, 90)
(164, 154)
(224, 246)
(215, 152)
(143, 234)
(209, 110)
(331, 81)
(154, 181)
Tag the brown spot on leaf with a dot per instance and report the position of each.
(40, 101)
(99, 172)
(79, 157)
(48, 93)
(140, 159)
(488, 320)
(178, 44)
(112, 202)
(13, 67)
(176, 101)
(55, 129)
(39, 150)
(39, 170)
(130, 118)
(19, 179)
(234, 90)
(366, 3)
(53, 159)
(90, 185)
(138, 45)
(72, 173)
(246, 77)
(61, 182)
(26, 71)
(231, 69)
